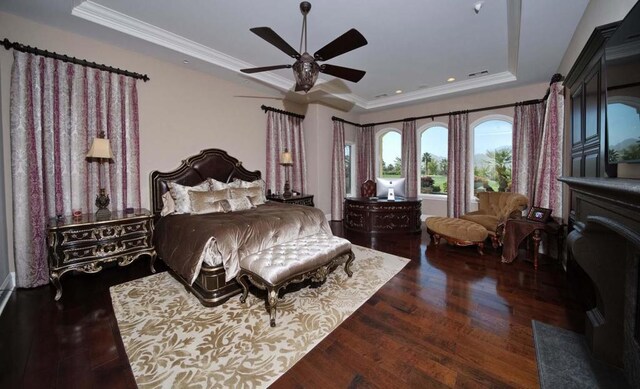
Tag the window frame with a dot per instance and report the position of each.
(421, 130)
(354, 186)
(472, 140)
(379, 134)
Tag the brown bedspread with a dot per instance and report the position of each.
(180, 239)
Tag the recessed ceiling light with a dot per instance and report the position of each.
(399, 91)
(451, 79)
(185, 61)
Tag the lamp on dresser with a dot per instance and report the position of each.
(101, 151)
(287, 161)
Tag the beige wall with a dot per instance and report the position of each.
(598, 13)
(436, 205)
(181, 111)
(319, 148)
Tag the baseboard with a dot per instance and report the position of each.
(6, 289)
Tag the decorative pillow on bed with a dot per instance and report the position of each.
(209, 201)
(168, 205)
(239, 204)
(254, 194)
(253, 184)
(180, 194)
(218, 185)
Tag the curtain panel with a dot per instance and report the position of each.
(366, 155)
(460, 165)
(548, 190)
(57, 108)
(409, 158)
(284, 131)
(527, 140)
(337, 171)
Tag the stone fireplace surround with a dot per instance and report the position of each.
(605, 242)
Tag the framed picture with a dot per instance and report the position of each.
(539, 214)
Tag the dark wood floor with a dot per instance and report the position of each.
(450, 318)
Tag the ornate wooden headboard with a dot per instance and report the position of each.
(210, 163)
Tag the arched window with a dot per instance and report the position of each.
(492, 154)
(390, 153)
(433, 159)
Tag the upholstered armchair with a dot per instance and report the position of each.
(368, 188)
(494, 208)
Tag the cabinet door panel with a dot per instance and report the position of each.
(576, 116)
(592, 106)
(591, 164)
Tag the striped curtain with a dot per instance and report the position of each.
(458, 176)
(337, 171)
(366, 155)
(409, 158)
(527, 138)
(285, 131)
(548, 193)
(57, 109)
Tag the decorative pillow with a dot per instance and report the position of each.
(181, 196)
(208, 202)
(239, 204)
(254, 194)
(253, 184)
(168, 205)
(217, 185)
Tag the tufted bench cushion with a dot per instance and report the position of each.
(295, 261)
(456, 231)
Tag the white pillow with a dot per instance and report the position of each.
(217, 185)
(208, 201)
(254, 194)
(253, 184)
(168, 205)
(180, 194)
(239, 204)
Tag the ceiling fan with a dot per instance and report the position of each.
(306, 67)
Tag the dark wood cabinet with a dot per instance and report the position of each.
(382, 216)
(85, 243)
(587, 84)
(302, 199)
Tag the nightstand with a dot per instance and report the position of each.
(301, 199)
(84, 244)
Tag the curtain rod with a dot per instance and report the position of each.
(83, 62)
(295, 115)
(556, 77)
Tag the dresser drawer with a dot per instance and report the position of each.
(102, 232)
(104, 249)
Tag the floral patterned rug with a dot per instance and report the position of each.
(172, 341)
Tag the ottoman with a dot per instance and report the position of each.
(456, 231)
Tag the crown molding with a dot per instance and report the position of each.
(422, 94)
(107, 17)
(115, 20)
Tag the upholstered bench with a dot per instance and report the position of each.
(456, 231)
(295, 261)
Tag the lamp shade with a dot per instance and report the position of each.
(285, 158)
(100, 148)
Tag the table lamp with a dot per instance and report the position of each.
(286, 161)
(101, 151)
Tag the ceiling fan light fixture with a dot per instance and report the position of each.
(305, 71)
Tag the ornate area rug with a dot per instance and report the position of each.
(173, 341)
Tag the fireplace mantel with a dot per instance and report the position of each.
(605, 242)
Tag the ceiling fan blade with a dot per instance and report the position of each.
(265, 68)
(349, 74)
(346, 42)
(270, 36)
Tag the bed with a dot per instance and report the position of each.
(179, 239)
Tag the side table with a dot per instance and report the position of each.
(301, 199)
(516, 230)
(84, 243)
